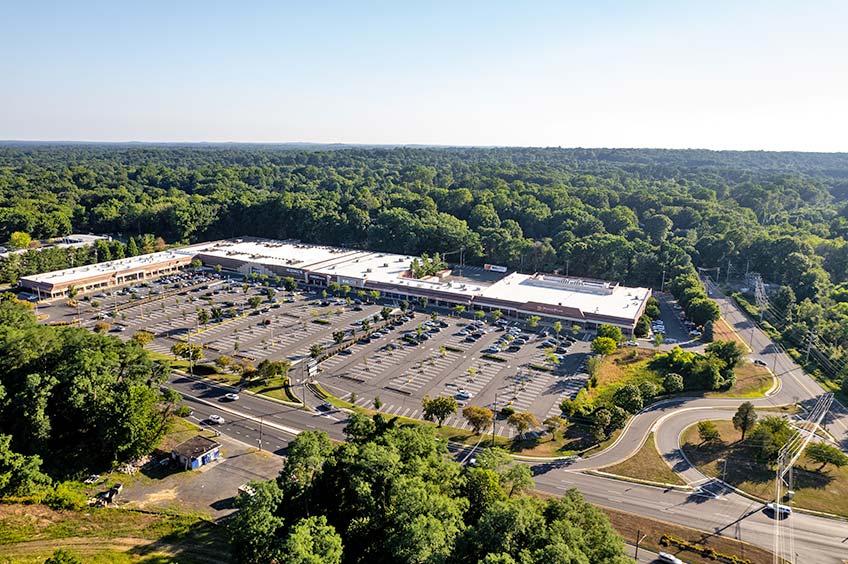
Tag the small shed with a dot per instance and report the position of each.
(196, 452)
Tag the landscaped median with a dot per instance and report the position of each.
(818, 487)
(646, 466)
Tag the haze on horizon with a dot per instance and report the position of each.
(717, 75)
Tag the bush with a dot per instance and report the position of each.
(628, 398)
(183, 411)
(66, 495)
(673, 383)
(507, 411)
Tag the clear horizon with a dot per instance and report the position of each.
(717, 76)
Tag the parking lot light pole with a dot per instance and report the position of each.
(494, 418)
(260, 432)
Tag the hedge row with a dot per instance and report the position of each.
(704, 551)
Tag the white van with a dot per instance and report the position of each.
(778, 509)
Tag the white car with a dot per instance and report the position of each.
(463, 395)
(778, 509)
(759, 362)
(670, 558)
(231, 397)
(216, 419)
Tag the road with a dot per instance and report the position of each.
(820, 540)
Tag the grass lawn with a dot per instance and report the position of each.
(825, 490)
(629, 525)
(623, 366)
(30, 533)
(722, 331)
(646, 464)
(752, 381)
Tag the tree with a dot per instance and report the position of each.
(729, 352)
(745, 418)
(823, 453)
(496, 314)
(377, 403)
(554, 424)
(20, 240)
(132, 248)
(701, 310)
(708, 432)
(315, 350)
(601, 419)
(629, 398)
(338, 337)
(404, 305)
(673, 383)
(603, 346)
(102, 327)
(385, 312)
(62, 556)
(313, 541)
(289, 284)
(143, 338)
(254, 301)
(218, 268)
(438, 408)
(479, 314)
(458, 309)
(557, 327)
(658, 339)
(479, 418)
(522, 421)
(611, 332)
(533, 321)
(196, 264)
(270, 293)
(20, 475)
(593, 366)
(224, 362)
(709, 332)
(203, 316)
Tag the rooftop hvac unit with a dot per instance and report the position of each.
(367, 270)
(385, 265)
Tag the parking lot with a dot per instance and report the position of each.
(413, 357)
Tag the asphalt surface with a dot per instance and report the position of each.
(710, 507)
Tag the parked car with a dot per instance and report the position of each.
(463, 395)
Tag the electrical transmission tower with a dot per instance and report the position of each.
(760, 296)
(784, 545)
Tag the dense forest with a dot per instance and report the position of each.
(72, 401)
(392, 494)
(640, 217)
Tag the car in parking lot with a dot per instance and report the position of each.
(216, 419)
(670, 341)
(463, 395)
(695, 333)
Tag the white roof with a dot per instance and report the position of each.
(592, 297)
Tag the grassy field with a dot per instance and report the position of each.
(30, 533)
(622, 367)
(752, 381)
(646, 464)
(722, 331)
(825, 490)
(629, 525)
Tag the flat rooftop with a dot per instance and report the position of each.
(69, 275)
(594, 297)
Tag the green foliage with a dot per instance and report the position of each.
(603, 346)
(673, 383)
(20, 475)
(438, 408)
(643, 326)
(745, 418)
(769, 436)
(427, 266)
(611, 332)
(712, 371)
(78, 400)
(629, 398)
(708, 432)
(19, 240)
(66, 495)
(62, 556)
(824, 454)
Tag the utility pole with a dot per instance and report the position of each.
(727, 273)
(810, 336)
(260, 432)
(494, 418)
(662, 285)
(639, 538)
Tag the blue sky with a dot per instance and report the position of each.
(712, 74)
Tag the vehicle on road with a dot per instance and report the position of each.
(759, 362)
(670, 558)
(216, 419)
(779, 509)
(231, 397)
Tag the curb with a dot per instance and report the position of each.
(665, 485)
(248, 392)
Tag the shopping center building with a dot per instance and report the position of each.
(572, 300)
